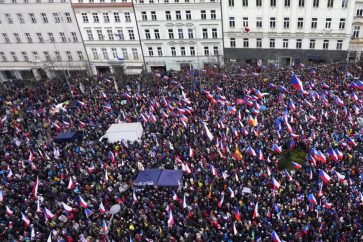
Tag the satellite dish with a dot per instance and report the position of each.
(120, 58)
(115, 209)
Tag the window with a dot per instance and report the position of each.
(173, 51)
(312, 44)
(273, 3)
(32, 18)
(17, 37)
(342, 23)
(20, 17)
(36, 55)
(206, 50)
(69, 55)
(286, 23)
(232, 42)
(29, 38)
(215, 50)
(314, 23)
(192, 51)
(258, 3)
(147, 34)
(44, 17)
(74, 36)
(327, 23)
(182, 51)
(298, 43)
(51, 37)
(330, 3)
(7, 40)
(125, 53)
(203, 14)
(95, 54)
(301, 3)
(245, 3)
(259, 43)
(231, 3)
(272, 43)
(84, 17)
(80, 55)
(25, 56)
(156, 34)
(68, 17)
(326, 44)
(106, 18)
(285, 43)
(57, 19)
(245, 22)
(178, 15)
(116, 16)
(153, 16)
(259, 22)
(63, 37)
(315, 3)
(15, 58)
(89, 34)
(144, 16)
(168, 15)
(344, 3)
(188, 15)
(127, 17)
(180, 34)
(245, 43)
(135, 53)
(231, 22)
(114, 52)
(100, 34)
(356, 31)
(190, 34)
(339, 44)
(9, 18)
(205, 33)
(287, 3)
(3, 56)
(160, 52)
(213, 14)
(300, 23)
(110, 34)
(40, 37)
(105, 54)
(95, 18)
(360, 12)
(272, 22)
(120, 34)
(171, 34)
(214, 34)
(131, 34)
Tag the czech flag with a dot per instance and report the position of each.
(333, 155)
(275, 184)
(354, 97)
(91, 168)
(231, 192)
(275, 237)
(35, 188)
(102, 208)
(296, 165)
(292, 145)
(288, 176)
(237, 215)
(351, 142)
(231, 110)
(328, 205)
(312, 199)
(82, 203)
(9, 211)
(25, 219)
(71, 184)
(276, 148)
(170, 219)
(48, 214)
(220, 203)
(175, 197)
(260, 155)
(341, 177)
(111, 156)
(66, 207)
(209, 134)
(1, 196)
(296, 83)
(251, 151)
(214, 171)
(255, 211)
(104, 226)
(324, 176)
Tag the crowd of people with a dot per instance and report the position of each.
(224, 130)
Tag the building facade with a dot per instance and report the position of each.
(286, 31)
(110, 34)
(356, 45)
(39, 39)
(180, 34)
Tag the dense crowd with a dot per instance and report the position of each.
(224, 130)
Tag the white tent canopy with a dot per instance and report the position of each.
(124, 131)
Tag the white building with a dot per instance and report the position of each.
(180, 34)
(39, 39)
(287, 31)
(356, 46)
(110, 35)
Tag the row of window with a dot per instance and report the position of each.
(174, 1)
(182, 51)
(114, 53)
(285, 43)
(57, 17)
(177, 15)
(102, 1)
(286, 22)
(27, 1)
(40, 37)
(181, 33)
(106, 17)
(36, 56)
(111, 35)
(287, 3)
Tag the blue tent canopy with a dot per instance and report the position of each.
(157, 177)
(170, 178)
(148, 177)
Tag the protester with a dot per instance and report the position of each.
(225, 130)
